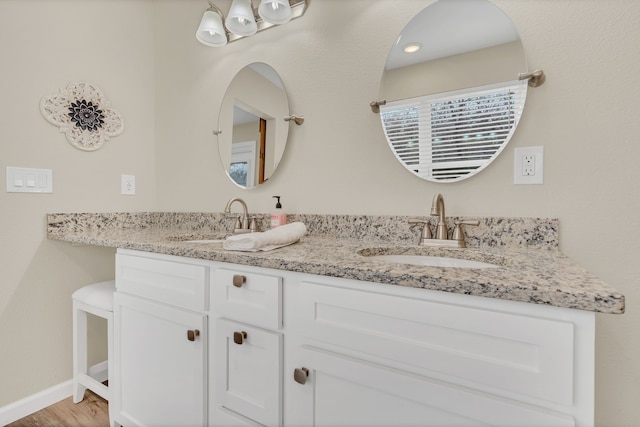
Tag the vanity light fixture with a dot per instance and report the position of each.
(244, 20)
(241, 20)
(211, 31)
(275, 11)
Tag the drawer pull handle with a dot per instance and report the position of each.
(239, 280)
(300, 375)
(192, 334)
(239, 337)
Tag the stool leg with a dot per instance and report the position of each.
(79, 351)
(110, 370)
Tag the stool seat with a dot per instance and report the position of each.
(98, 295)
(96, 299)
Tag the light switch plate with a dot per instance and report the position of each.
(528, 165)
(29, 180)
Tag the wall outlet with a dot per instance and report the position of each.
(128, 185)
(528, 165)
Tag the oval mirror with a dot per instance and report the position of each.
(252, 132)
(453, 98)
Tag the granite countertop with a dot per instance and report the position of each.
(529, 272)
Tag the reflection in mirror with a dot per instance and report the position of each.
(453, 98)
(253, 134)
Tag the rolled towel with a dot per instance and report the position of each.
(267, 240)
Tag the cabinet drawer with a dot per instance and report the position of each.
(175, 283)
(248, 297)
(496, 351)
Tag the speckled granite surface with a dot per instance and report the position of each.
(530, 267)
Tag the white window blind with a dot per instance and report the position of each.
(450, 135)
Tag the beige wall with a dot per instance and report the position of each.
(44, 45)
(336, 162)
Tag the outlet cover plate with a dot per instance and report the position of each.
(128, 185)
(528, 165)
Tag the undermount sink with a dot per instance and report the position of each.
(433, 257)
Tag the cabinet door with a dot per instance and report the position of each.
(160, 365)
(343, 391)
(247, 364)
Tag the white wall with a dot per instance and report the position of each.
(44, 45)
(331, 61)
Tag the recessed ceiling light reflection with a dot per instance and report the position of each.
(411, 47)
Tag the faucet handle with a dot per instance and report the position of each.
(458, 232)
(426, 229)
(254, 226)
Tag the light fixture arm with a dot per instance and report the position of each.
(216, 9)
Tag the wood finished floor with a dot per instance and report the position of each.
(93, 411)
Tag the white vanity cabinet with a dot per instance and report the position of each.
(278, 348)
(160, 341)
(366, 354)
(247, 349)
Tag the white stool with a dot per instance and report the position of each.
(96, 299)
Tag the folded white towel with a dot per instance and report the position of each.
(267, 240)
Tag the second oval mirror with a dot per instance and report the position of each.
(453, 98)
(252, 133)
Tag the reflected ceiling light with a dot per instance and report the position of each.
(411, 47)
(275, 12)
(211, 30)
(240, 19)
(243, 20)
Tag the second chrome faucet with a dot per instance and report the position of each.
(441, 238)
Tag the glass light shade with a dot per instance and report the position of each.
(275, 11)
(211, 32)
(240, 19)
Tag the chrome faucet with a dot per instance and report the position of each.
(242, 223)
(437, 209)
(441, 237)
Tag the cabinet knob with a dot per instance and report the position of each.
(300, 375)
(239, 337)
(239, 280)
(192, 334)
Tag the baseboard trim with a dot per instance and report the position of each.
(30, 404)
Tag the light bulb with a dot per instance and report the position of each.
(275, 12)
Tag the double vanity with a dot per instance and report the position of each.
(329, 332)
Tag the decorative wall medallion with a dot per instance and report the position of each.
(83, 114)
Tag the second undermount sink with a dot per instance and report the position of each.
(433, 257)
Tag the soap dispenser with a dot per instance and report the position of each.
(278, 217)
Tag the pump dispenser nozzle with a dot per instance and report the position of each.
(278, 217)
